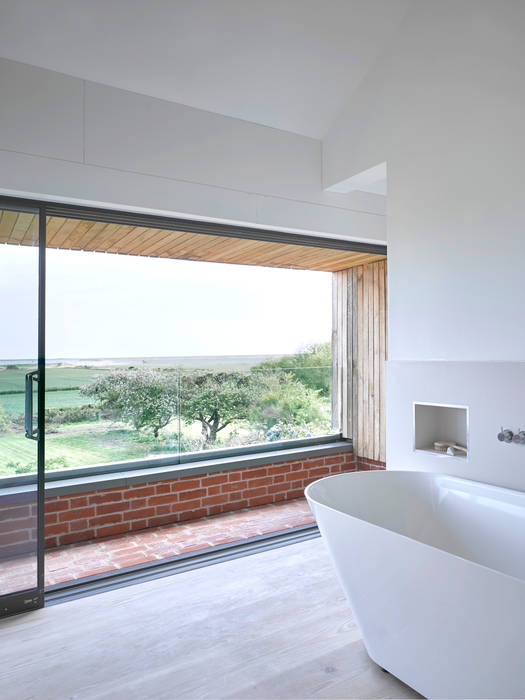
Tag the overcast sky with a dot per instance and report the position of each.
(102, 305)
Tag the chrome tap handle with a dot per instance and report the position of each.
(505, 435)
(519, 437)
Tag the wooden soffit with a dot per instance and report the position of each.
(76, 234)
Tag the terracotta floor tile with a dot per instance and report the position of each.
(192, 547)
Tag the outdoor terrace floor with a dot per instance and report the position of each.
(92, 557)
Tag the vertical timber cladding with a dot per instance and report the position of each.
(359, 352)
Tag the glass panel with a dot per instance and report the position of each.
(18, 360)
(105, 402)
(142, 352)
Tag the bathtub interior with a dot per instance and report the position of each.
(482, 523)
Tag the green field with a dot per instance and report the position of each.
(13, 404)
(56, 377)
(12, 386)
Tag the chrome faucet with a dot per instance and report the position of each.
(505, 435)
(508, 436)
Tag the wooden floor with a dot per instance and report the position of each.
(271, 625)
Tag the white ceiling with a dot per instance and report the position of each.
(289, 64)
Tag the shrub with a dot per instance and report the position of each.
(287, 431)
(72, 414)
(15, 467)
(311, 366)
(56, 463)
(4, 421)
(188, 444)
(30, 467)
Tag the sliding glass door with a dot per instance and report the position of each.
(22, 260)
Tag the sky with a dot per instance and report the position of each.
(103, 305)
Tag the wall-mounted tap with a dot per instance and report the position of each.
(505, 435)
(519, 437)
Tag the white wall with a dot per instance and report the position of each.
(65, 138)
(445, 107)
(452, 100)
(494, 393)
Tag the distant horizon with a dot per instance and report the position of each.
(192, 361)
(160, 357)
(146, 357)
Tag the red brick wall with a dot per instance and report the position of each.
(18, 524)
(76, 517)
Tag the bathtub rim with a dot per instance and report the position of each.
(399, 534)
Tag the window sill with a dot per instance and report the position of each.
(206, 466)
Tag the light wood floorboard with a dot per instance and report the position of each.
(271, 625)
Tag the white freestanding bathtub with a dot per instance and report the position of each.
(434, 569)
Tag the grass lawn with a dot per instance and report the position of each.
(111, 444)
(80, 445)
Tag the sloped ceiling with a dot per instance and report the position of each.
(287, 64)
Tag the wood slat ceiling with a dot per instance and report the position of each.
(74, 234)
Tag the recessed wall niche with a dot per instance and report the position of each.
(438, 425)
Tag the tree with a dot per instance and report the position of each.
(312, 366)
(146, 398)
(216, 399)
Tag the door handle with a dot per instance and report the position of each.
(31, 431)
